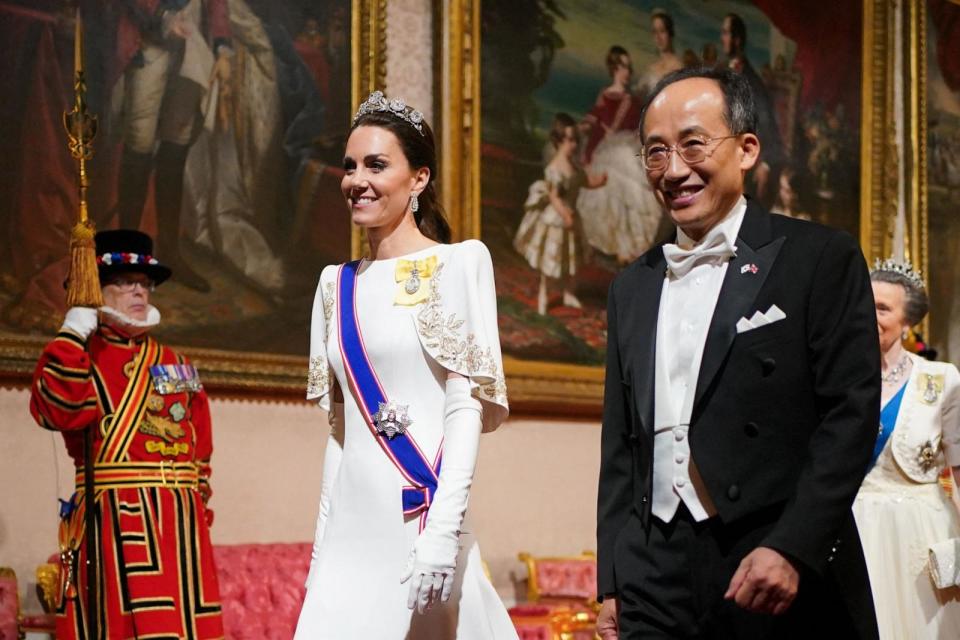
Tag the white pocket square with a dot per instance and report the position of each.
(760, 319)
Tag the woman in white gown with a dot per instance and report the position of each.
(901, 510)
(406, 344)
(620, 218)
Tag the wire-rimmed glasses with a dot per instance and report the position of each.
(692, 150)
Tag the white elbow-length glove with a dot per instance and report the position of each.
(80, 321)
(433, 560)
(331, 465)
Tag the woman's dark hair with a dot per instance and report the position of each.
(558, 130)
(738, 29)
(615, 58)
(915, 301)
(740, 109)
(420, 151)
(665, 18)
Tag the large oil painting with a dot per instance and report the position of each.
(943, 157)
(563, 199)
(221, 129)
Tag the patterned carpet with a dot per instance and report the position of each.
(564, 334)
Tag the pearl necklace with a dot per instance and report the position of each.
(894, 374)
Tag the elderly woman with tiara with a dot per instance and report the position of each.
(909, 527)
(405, 356)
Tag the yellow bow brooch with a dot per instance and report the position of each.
(412, 280)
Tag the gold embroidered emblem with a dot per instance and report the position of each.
(161, 427)
(154, 403)
(930, 387)
(411, 276)
(164, 449)
(128, 368)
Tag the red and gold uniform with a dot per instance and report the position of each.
(150, 422)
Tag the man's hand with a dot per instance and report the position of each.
(765, 582)
(608, 620)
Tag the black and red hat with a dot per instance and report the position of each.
(128, 251)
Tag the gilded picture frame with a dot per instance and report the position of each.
(555, 388)
(238, 371)
(936, 93)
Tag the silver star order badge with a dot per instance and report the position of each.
(392, 419)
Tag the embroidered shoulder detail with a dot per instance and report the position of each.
(454, 349)
(318, 377)
(327, 307)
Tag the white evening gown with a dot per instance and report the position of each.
(898, 520)
(356, 592)
(620, 218)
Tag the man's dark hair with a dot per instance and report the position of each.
(738, 30)
(740, 110)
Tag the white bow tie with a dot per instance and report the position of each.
(680, 261)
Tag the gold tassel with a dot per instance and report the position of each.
(83, 286)
(83, 280)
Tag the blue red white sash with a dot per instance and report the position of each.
(888, 420)
(401, 449)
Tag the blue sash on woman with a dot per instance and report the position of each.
(401, 448)
(888, 420)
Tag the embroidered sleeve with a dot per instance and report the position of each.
(318, 372)
(458, 327)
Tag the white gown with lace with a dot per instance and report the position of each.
(898, 520)
(620, 218)
(356, 592)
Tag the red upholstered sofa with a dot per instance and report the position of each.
(262, 588)
(561, 598)
(9, 605)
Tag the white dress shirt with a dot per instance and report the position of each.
(687, 304)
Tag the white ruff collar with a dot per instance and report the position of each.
(128, 325)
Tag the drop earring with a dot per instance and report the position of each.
(414, 203)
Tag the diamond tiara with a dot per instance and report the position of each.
(904, 269)
(396, 107)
